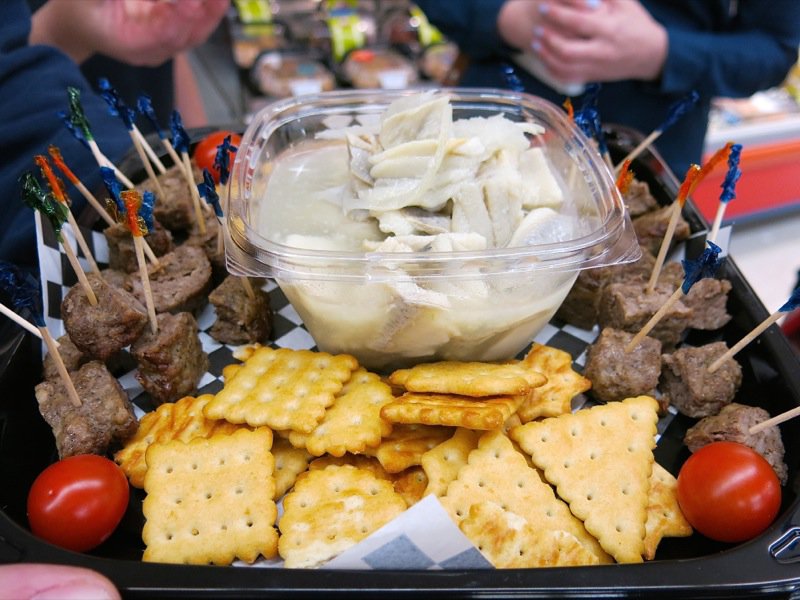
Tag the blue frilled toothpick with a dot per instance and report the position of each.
(118, 108)
(145, 107)
(694, 270)
(25, 297)
(674, 114)
(728, 188)
(180, 140)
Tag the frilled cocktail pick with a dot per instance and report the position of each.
(674, 114)
(76, 121)
(138, 218)
(58, 160)
(145, 106)
(25, 298)
(118, 108)
(59, 192)
(180, 139)
(222, 159)
(694, 270)
(728, 187)
(117, 206)
(788, 306)
(57, 214)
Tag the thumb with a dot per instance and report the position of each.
(54, 582)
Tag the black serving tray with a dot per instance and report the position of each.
(693, 567)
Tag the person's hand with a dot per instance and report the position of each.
(137, 32)
(27, 581)
(602, 40)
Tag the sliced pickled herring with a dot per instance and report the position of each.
(538, 181)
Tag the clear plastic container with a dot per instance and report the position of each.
(391, 309)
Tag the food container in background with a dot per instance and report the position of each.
(291, 73)
(393, 308)
(250, 40)
(337, 31)
(436, 62)
(378, 68)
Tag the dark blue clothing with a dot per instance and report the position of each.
(720, 48)
(33, 84)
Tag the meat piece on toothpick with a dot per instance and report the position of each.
(103, 329)
(172, 361)
(651, 227)
(240, 318)
(104, 417)
(121, 249)
(72, 356)
(180, 283)
(616, 374)
(638, 199)
(732, 424)
(689, 387)
(174, 209)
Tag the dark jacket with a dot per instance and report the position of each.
(724, 48)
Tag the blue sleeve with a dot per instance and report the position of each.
(472, 24)
(753, 52)
(33, 83)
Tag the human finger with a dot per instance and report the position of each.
(571, 20)
(42, 581)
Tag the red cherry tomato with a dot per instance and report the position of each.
(728, 492)
(206, 150)
(77, 502)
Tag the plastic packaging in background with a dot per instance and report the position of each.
(475, 305)
(378, 68)
(291, 73)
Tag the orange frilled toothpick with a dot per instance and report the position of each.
(58, 160)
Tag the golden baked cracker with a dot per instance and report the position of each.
(283, 388)
(209, 501)
(367, 463)
(664, 516)
(329, 510)
(230, 371)
(410, 484)
(406, 444)
(289, 463)
(442, 463)
(476, 379)
(600, 460)
(508, 541)
(488, 412)
(496, 472)
(563, 383)
(182, 420)
(353, 421)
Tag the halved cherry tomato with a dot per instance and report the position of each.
(728, 492)
(206, 150)
(77, 502)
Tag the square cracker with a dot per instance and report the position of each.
(353, 421)
(442, 463)
(497, 472)
(209, 501)
(510, 542)
(283, 388)
(290, 462)
(182, 420)
(488, 412)
(563, 383)
(600, 460)
(476, 379)
(331, 510)
(664, 516)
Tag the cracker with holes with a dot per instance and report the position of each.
(367, 463)
(410, 484)
(497, 472)
(488, 412)
(442, 463)
(563, 383)
(283, 388)
(209, 501)
(600, 460)
(404, 447)
(508, 541)
(475, 379)
(182, 420)
(329, 510)
(290, 462)
(353, 421)
(664, 516)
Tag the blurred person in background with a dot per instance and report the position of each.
(647, 54)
